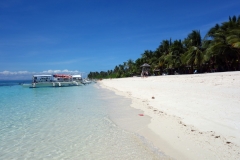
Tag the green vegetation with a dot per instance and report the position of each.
(218, 51)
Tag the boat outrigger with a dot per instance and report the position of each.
(56, 80)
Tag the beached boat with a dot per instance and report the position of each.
(77, 78)
(56, 80)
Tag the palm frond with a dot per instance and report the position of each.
(236, 45)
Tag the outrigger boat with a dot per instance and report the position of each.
(86, 81)
(56, 80)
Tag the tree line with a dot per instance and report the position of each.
(218, 51)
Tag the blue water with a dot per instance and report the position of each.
(63, 123)
(13, 82)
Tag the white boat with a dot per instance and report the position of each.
(86, 81)
(56, 80)
(77, 79)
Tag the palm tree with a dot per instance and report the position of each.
(220, 48)
(147, 56)
(116, 69)
(233, 38)
(194, 54)
(165, 46)
(130, 64)
(137, 66)
(173, 60)
(158, 62)
(224, 44)
(174, 57)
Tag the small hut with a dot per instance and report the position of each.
(145, 69)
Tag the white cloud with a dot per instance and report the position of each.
(51, 71)
(16, 73)
(60, 71)
(27, 75)
(66, 71)
(6, 72)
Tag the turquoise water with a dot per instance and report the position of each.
(64, 123)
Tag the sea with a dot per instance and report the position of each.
(65, 123)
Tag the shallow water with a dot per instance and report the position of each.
(65, 123)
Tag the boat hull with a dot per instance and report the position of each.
(55, 84)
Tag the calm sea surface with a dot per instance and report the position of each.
(64, 123)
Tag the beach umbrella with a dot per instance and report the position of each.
(145, 65)
(145, 68)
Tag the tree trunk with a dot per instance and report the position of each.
(191, 70)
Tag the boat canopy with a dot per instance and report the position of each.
(62, 76)
(76, 76)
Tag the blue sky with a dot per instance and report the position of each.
(79, 36)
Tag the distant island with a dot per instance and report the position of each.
(218, 51)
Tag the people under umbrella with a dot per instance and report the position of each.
(145, 69)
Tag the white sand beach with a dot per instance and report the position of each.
(192, 116)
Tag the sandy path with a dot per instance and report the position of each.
(194, 116)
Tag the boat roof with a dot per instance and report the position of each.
(76, 76)
(62, 75)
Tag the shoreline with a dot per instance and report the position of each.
(126, 117)
(192, 116)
